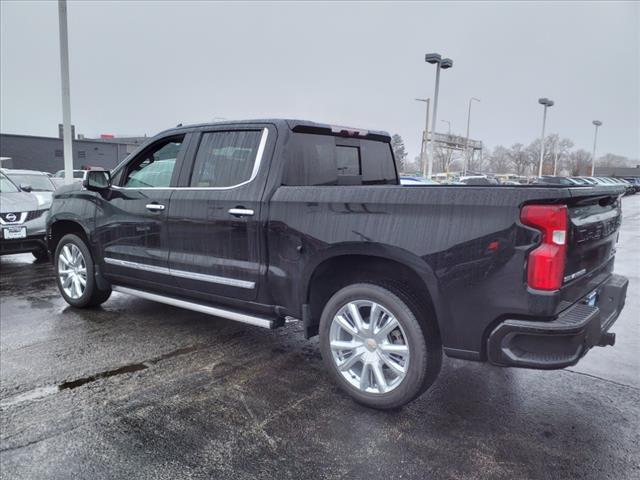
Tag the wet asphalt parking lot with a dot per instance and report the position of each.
(141, 390)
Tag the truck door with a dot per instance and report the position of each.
(215, 227)
(131, 225)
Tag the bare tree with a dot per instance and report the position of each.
(611, 160)
(443, 158)
(414, 167)
(551, 142)
(499, 161)
(577, 163)
(476, 161)
(519, 158)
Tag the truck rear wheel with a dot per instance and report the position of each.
(75, 273)
(379, 345)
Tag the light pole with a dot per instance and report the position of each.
(444, 63)
(555, 156)
(66, 95)
(466, 143)
(448, 157)
(425, 137)
(597, 123)
(547, 103)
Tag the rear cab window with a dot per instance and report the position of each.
(315, 160)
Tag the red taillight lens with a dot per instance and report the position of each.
(546, 263)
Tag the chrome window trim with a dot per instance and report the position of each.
(198, 307)
(232, 282)
(254, 173)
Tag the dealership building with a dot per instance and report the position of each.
(46, 153)
(618, 172)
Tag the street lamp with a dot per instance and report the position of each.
(67, 141)
(425, 137)
(442, 63)
(547, 103)
(466, 143)
(597, 123)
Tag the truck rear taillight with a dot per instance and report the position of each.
(545, 269)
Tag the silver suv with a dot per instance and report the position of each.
(22, 221)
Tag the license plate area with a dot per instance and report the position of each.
(11, 233)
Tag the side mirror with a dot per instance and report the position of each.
(25, 187)
(97, 180)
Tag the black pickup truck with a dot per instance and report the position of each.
(267, 221)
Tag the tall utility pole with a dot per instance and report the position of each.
(555, 157)
(597, 123)
(466, 142)
(442, 63)
(66, 94)
(425, 138)
(547, 103)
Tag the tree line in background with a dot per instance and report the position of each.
(517, 159)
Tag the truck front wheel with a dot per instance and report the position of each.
(379, 344)
(75, 273)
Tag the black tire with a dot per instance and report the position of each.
(41, 255)
(92, 296)
(419, 327)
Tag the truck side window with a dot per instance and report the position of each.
(154, 168)
(225, 159)
(314, 160)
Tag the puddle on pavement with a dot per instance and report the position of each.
(109, 373)
(41, 392)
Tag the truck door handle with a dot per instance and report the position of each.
(155, 207)
(241, 212)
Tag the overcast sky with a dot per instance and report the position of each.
(142, 67)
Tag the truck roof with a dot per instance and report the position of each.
(295, 125)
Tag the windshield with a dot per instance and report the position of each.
(38, 183)
(6, 186)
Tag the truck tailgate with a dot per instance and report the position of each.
(594, 221)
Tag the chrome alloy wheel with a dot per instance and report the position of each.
(72, 271)
(369, 347)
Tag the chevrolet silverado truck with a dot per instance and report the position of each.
(263, 222)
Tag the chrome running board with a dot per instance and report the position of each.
(198, 307)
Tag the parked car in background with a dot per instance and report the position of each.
(555, 180)
(57, 181)
(78, 175)
(477, 180)
(22, 221)
(635, 183)
(258, 221)
(588, 180)
(410, 180)
(609, 181)
(629, 189)
(580, 181)
(33, 181)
